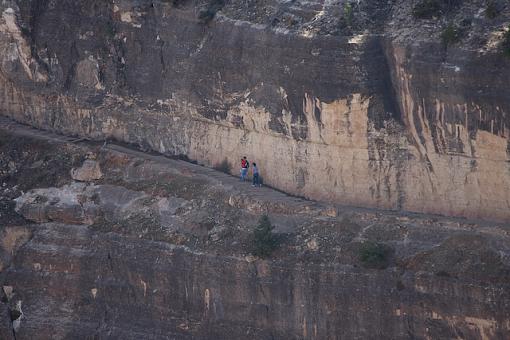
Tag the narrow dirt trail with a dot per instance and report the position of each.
(264, 194)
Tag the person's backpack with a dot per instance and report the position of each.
(247, 164)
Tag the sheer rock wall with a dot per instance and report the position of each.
(370, 110)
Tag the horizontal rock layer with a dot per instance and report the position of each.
(362, 116)
(113, 287)
(160, 248)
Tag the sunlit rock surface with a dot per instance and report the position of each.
(364, 107)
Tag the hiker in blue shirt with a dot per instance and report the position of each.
(256, 179)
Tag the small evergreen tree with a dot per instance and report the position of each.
(450, 35)
(374, 255)
(264, 241)
(506, 42)
(348, 13)
(492, 9)
(427, 9)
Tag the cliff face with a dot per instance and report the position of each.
(358, 104)
(104, 289)
(145, 247)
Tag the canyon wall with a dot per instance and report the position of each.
(108, 243)
(365, 108)
(105, 288)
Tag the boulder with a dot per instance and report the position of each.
(81, 203)
(69, 204)
(89, 171)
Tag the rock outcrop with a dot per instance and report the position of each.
(355, 103)
(89, 171)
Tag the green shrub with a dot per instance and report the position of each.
(175, 3)
(110, 28)
(264, 241)
(427, 9)
(348, 13)
(506, 42)
(224, 166)
(450, 35)
(450, 5)
(374, 255)
(208, 13)
(492, 9)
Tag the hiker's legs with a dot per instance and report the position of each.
(244, 171)
(255, 179)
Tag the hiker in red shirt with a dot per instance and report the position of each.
(244, 168)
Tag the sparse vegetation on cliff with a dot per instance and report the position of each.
(428, 9)
(264, 241)
(348, 13)
(506, 42)
(374, 255)
(176, 3)
(492, 9)
(208, 13)
(450, 35)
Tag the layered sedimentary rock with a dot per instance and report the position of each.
(362, 106)
(103, 288)
(358, 104)
(160, 249)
